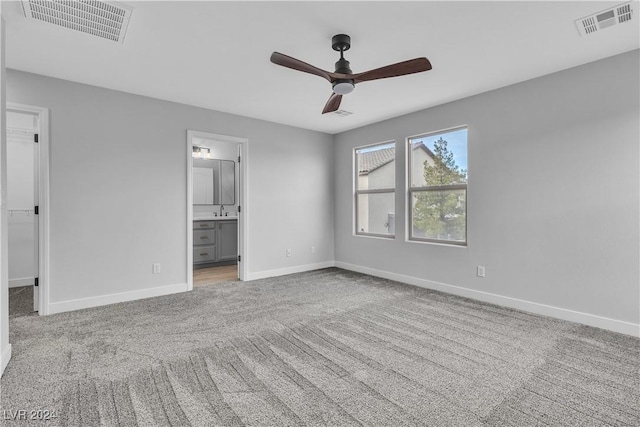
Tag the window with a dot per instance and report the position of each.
(438, 187)
(375, 189)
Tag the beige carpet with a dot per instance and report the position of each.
(328, 347)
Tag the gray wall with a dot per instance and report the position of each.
(118, 187)
(552, 198)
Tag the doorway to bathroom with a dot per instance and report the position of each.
(216, 208)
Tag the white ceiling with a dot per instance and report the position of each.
(216, 54)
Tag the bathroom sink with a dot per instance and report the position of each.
(214, 218)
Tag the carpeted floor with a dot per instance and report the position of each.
(328, 347)
(21, 301)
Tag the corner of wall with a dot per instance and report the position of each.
(5, 347)
(289, 270)
(5, 356)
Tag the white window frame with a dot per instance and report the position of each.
(357, 192)
(412, 190)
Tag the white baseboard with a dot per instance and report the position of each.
(5, 356)
(23, 281)
(289, 270)
(77, 304)
(620, 326)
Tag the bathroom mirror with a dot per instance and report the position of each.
(227, 182)
(214, 182)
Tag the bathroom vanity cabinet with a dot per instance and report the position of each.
(215, 240)
(204, 241)
(227, 240)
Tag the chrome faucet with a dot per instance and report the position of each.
(221, 210)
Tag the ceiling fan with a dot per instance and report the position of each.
(343, 80)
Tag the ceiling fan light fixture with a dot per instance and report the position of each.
(343, 87)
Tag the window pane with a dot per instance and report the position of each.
(439, 159)
(376, 213)
(439, 215)
(376, 167)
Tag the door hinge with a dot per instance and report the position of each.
(239, 258)
(35, 283)
(35, 138)
(239, 209)
(36, 210)
(238, 159)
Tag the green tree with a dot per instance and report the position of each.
(440, 214)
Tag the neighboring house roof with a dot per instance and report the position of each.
(372, 160)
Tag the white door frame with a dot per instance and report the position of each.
(243, 215)
(42, 200)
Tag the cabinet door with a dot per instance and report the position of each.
(204, 254)
(227, 240)
(200, 225)
(204, 237)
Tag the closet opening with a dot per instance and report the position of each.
(27, 197)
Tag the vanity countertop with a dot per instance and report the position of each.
(214, 218)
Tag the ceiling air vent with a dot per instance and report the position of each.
(107, 20)
(343, 113)
(606, 18)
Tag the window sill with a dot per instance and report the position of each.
(439, 243)
(375, 236)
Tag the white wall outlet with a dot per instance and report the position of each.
(156, 268)
(313, 249)
(481, 271)
(288, 252)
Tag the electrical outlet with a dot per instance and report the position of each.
(156, 268)
(481, 271)
(313, 249)
(288, 252)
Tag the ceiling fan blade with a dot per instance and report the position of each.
(411, 66)
(295, 64)
(332, 104)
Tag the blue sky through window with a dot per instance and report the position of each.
(456, 143)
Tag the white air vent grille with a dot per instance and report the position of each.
(589, 25)
(343, 113)
(606, 18)
(97, 18)
(624, 13)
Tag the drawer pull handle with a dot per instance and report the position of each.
(204, 225)
(203, 237)
(204, 254)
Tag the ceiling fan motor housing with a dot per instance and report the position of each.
(342, 42)
(343, 86)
